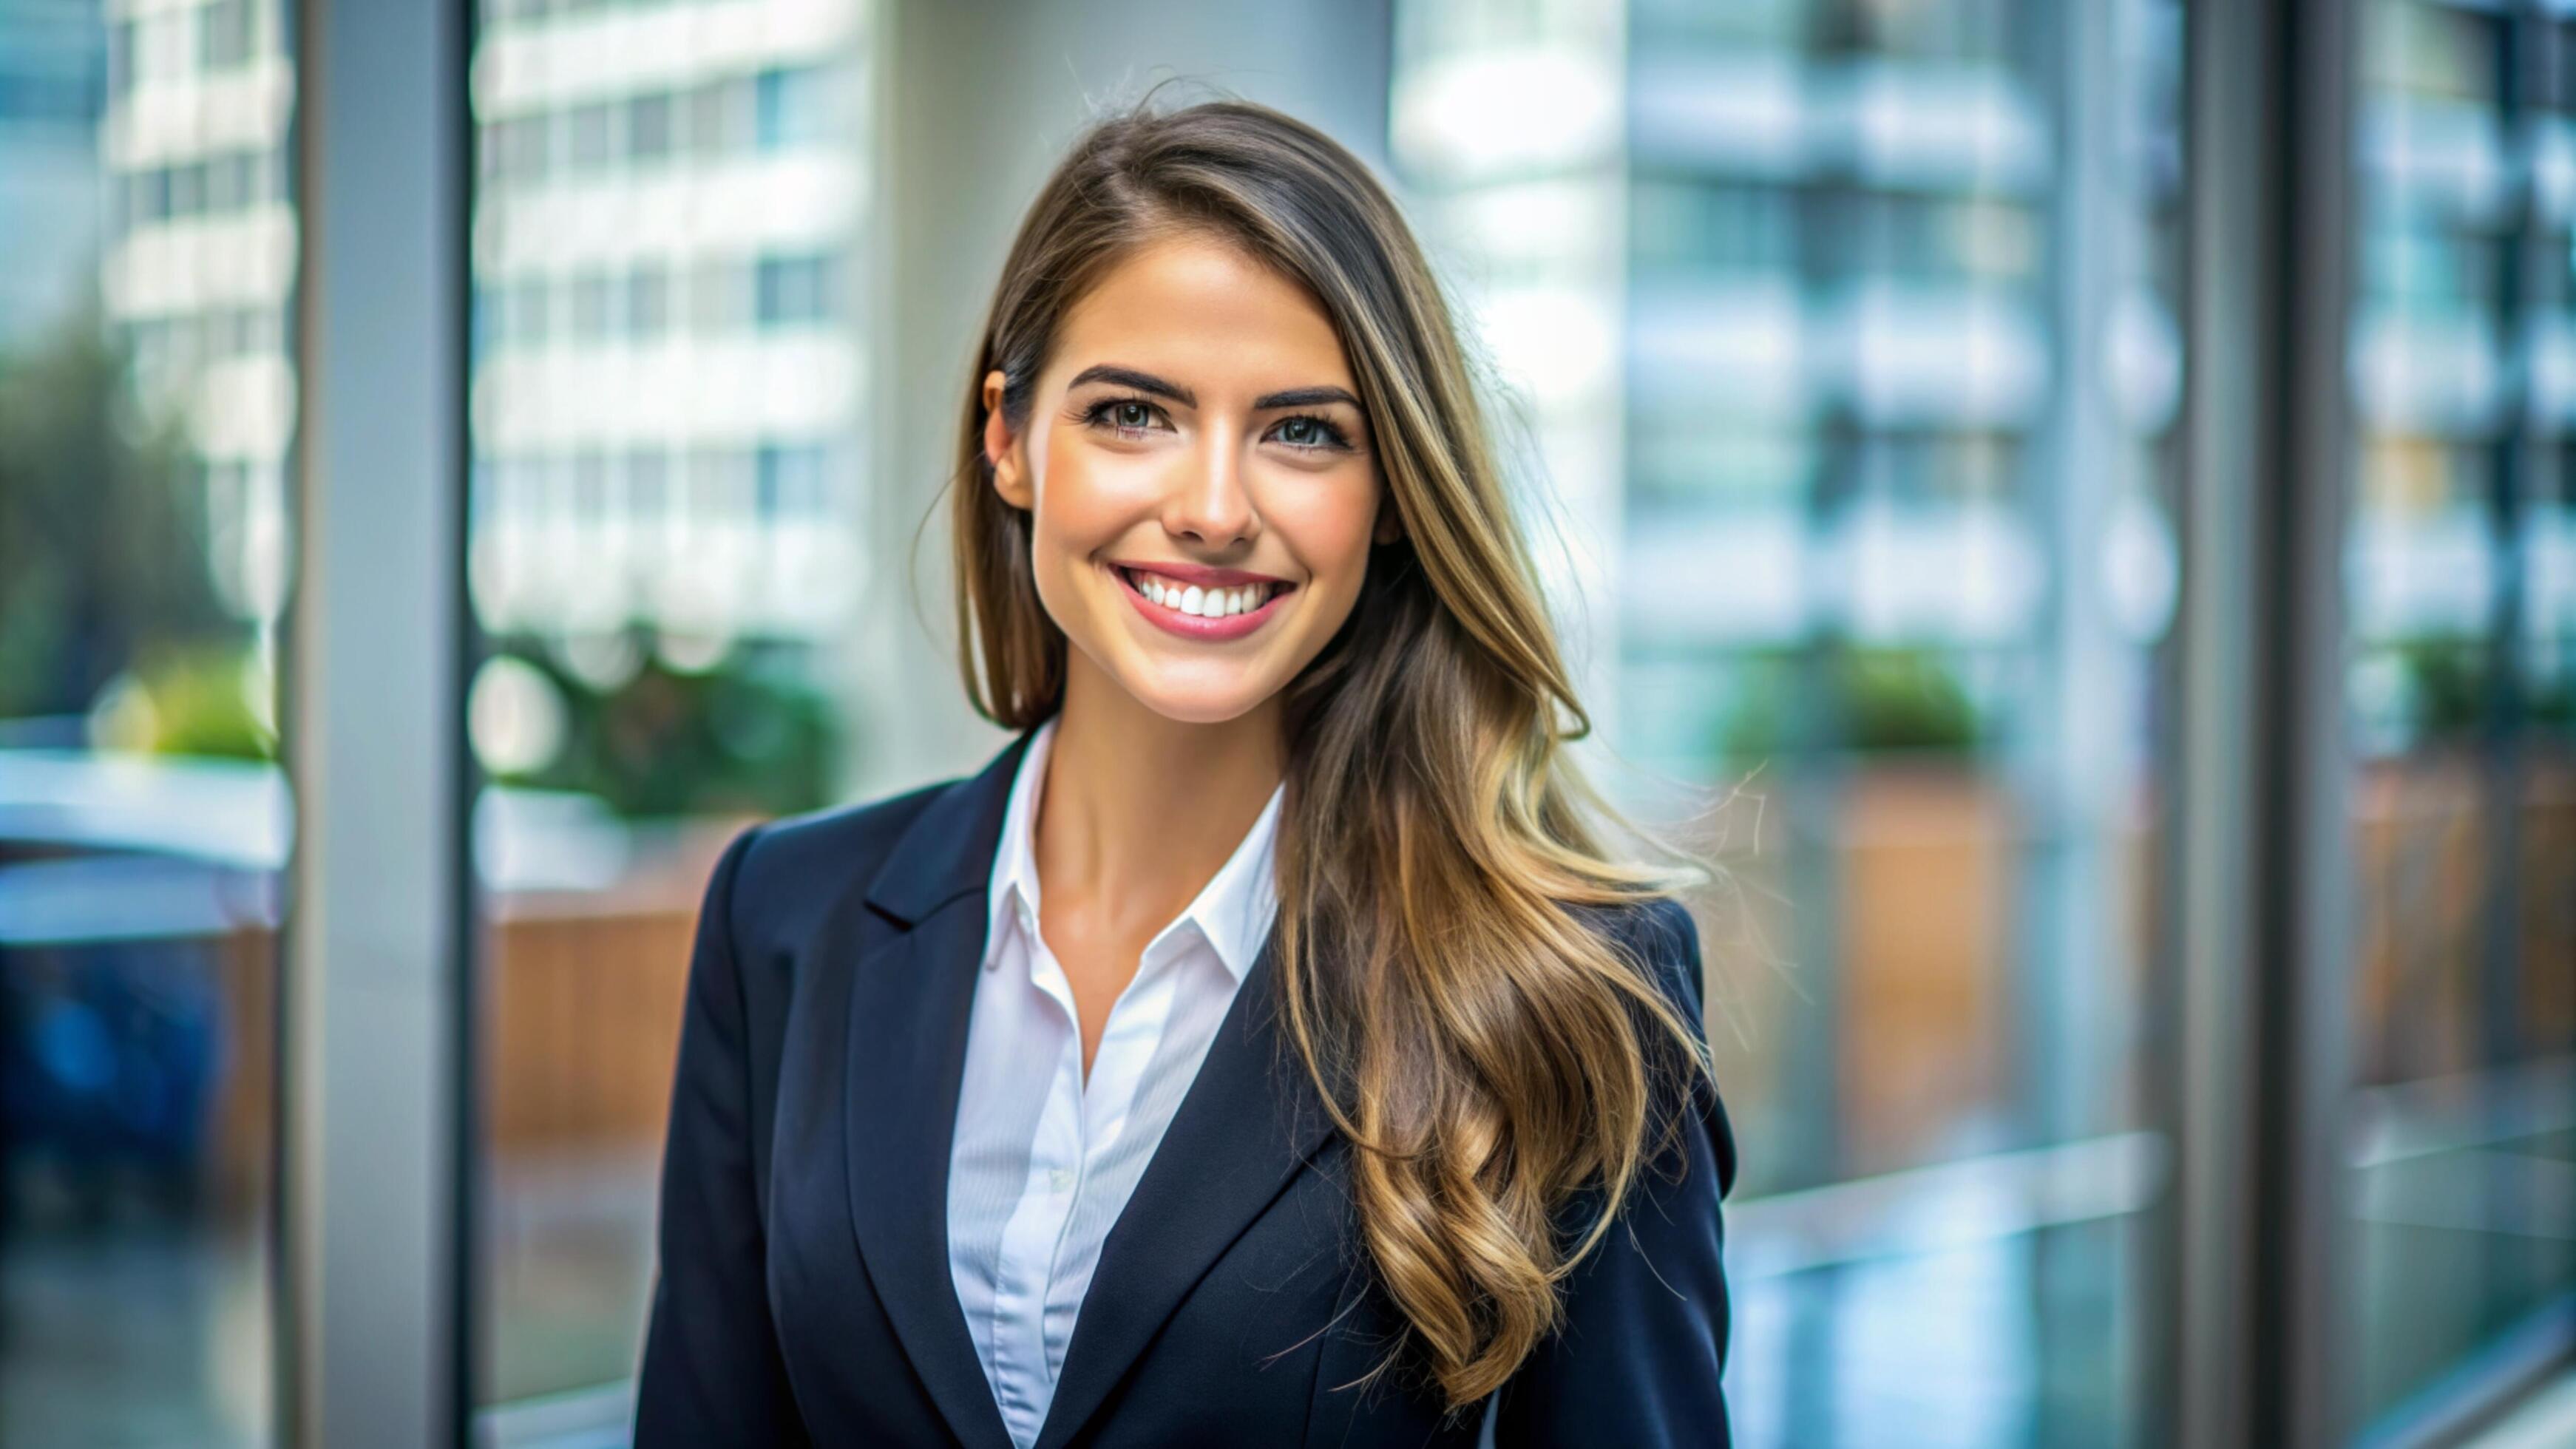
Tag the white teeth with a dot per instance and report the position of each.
(1204, 603)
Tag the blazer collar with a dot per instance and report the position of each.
(1250, 1120)
(948, 849)
(911, 969)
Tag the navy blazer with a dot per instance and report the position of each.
(803, 1295)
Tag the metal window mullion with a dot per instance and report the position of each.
(376, 934)
(2258, 852)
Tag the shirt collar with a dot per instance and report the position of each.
(1233, 911)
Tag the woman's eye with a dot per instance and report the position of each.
(1309, 432)
(1120, 414)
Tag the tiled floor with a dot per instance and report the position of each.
(144, 1335)
(134, 1336)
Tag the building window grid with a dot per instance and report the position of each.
(774, 110)
(650, 301)
(777, 109)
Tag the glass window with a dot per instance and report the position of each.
(2458, 578)
(529, 315)
(226, 33)
(790, 480)
(794, 290)
(188, 189)
(594, 135)
(794, 107)
(659, 575)
(648, 293)
(1872, 407)
(146, 408)
(594, 306)
(525, 145)
(721, 115)
(648, 486)
(648, 126)
(721, 295)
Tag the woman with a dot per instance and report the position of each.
(1335, 1088)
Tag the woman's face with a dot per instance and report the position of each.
(1201, 479)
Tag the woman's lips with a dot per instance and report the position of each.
(1193, 626)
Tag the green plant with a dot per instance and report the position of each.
(2447, 682)
(201, 704)
(102, 536)
(749, 735)
(2445, 691)
(1867, 700)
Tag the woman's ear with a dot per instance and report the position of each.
(1001, 450)
(1390, 522)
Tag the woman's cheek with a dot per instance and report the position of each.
(1064, 498)
(1089, 493)
(1329, 527)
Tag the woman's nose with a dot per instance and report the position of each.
(1208, 501)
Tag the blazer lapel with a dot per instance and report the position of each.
(909, 1001)
(1250, 1120)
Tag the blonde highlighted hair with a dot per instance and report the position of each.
(1489, 1052)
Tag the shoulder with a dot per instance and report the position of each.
(1639, 1355)
(1660, 928)
(778, 876)
(1659, 934)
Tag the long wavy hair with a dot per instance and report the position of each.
(1487, 1049)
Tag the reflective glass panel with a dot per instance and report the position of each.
(147, 401)
(2460, 575)
(1845, 338)
(665, 539)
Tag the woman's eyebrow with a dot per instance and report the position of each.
(1295, 397)
(1304, 397)
(1130, 377)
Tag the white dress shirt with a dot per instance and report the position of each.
(1042, 1162)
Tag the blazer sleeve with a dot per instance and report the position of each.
(1639, 1353)
(711, 1371)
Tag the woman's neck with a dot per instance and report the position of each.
(1140, 810)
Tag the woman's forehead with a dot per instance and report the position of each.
(1191, 304)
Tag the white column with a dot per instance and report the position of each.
(374, 732)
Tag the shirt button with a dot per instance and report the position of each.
(1059, 1179)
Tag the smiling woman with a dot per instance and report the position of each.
(1263, 1048)
(1194, 441)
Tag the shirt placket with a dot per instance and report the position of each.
(1036, 1225)
(1128, 1039)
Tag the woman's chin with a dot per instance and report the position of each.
(1197, 700)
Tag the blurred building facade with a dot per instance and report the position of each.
(669, 316)
(2459, 674)
(1846, 335)
(197, 272)
(53, 85)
